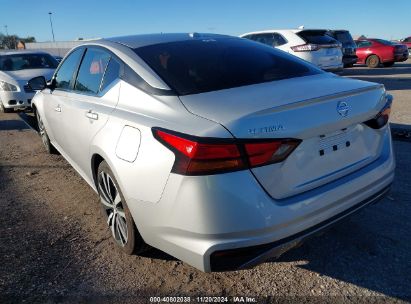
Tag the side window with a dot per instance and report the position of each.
(112, 73)
(91, 71)
(251, 37)
(64, 75)
(407, 39)
(265, 39)
(278, 40)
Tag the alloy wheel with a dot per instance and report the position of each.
(112, 203)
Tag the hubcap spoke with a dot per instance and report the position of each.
(113, 226)
(122, 214)
(122, 230)
(117, 199)
(104, 199)
(110, 219)
(106, 204)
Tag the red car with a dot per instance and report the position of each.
(374, 52)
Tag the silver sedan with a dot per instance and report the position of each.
(218, 150)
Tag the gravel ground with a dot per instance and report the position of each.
(56, 248)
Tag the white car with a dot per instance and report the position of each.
(314, 46)
(16, 68)
(218, 150)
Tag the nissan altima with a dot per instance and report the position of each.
(16, 68)
(218, 150)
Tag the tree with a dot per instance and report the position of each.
(10, 42)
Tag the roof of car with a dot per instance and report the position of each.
(136, 41)
(17, 52)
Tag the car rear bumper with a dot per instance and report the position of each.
(401, 57)
(200, 218)
(16, 99)
(248, 257)
(350, 59)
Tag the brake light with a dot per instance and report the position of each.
(204, 156)
(305, 47)
(381, 119)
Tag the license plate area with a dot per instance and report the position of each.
(329, 51)
(335, 141)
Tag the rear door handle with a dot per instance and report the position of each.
(57, 109)
(92, 115)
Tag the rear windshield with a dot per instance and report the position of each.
(344, 37)
(316, 37)
(204, 65)
(18, 62)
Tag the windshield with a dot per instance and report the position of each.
(204, 65)
(17, 62)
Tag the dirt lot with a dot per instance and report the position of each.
(55, 247)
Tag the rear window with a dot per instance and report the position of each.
(316, 37)
(204, 65)
(343, 37)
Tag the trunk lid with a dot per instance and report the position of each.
(323, 110)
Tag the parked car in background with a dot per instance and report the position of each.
(374, 52)
(348, 46)
(407, 42)
(314, 46)
(58, 58)
(218, 150)
(16, 68)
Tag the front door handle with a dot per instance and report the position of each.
(92, 115)
(57, 109)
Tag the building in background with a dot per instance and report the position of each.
(58, 48)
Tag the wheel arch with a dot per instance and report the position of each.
(98, 156)
(96, 160)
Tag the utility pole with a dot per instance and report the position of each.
(8, 37)
(51, 25)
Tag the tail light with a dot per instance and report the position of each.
(314, 47)
(381, 119)
(305, 47)
(204, 156)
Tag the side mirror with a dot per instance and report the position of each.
(37, 83)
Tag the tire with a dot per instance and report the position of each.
(5, 110)
(115, 209)
(373, 61)
(388, 64)
(44, 136)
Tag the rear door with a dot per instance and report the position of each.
(94, 97)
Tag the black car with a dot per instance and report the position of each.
(348, 46)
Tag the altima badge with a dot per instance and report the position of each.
(342, 108)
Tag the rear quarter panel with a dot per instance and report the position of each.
(144, 177)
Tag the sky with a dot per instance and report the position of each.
(98, 19)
